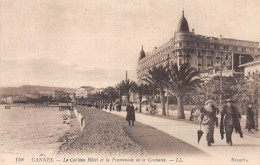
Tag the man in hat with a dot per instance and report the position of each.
(130, 116)
(230, 119)
(208, 115)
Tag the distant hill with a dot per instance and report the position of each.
(30, 89)
(88, 88)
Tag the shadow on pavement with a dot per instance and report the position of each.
(156, 142)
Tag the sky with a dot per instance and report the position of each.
(71, 43)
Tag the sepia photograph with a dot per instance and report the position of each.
(128, 82)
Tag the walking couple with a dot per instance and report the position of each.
(230, 117)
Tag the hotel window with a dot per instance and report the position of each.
(199, 54)
(209, 63)
(188, 61)
(180, 43)
(198, 44)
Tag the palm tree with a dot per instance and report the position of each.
(98, 98)
(182, 79)
(140, 89)
(127, 85)
(151, 92)
(120, 91)
(155, 77)
(110, 93)
(204, 91)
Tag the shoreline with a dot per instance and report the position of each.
(99, 137)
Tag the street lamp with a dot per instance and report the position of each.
(220, 83)
(167, 96)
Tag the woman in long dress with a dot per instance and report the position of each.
(130, 116)
(208, 115)
(250, 119)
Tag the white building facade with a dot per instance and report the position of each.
(82, 92)
(251, 67)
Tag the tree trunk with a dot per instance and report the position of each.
(181, 114)
(140, 103)
(128, 97)
(120, 99)
(256, 113)
(162, 102)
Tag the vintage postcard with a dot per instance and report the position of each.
(129, 82)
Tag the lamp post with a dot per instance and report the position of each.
(153, 94)
(167, 96)
(233, 63)
(100, 102)
(220, 83)
(167, 103)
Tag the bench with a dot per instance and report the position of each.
(153, 112)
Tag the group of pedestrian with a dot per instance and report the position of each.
(230, 120)
(117, 105)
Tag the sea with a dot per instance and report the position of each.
(33, 131)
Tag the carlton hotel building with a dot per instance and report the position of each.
(206, 54)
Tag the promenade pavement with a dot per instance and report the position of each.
(244, 150)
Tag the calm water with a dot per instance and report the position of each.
(33, 131)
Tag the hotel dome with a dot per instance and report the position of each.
(183, 25)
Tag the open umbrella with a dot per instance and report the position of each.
(200, 133)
